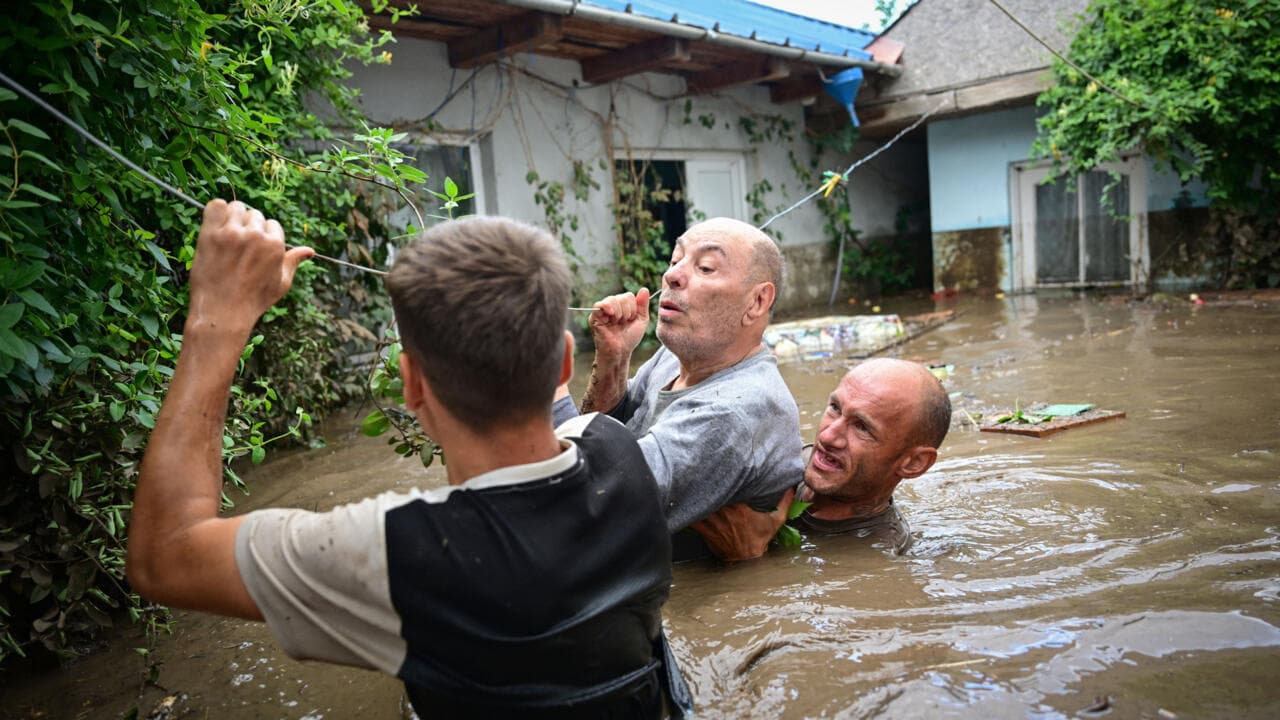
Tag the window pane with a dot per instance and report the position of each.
(1057, 234)
(438, 162)
(1106, 227)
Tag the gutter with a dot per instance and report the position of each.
(576, 8)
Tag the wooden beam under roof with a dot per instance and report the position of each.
(638, 58)
(793, 89)
(747, 73)
(523, 33)
(884, 116)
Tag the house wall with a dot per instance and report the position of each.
(533, 115)
(888, 202)
(969, 195)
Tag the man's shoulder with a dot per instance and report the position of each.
(756, 387)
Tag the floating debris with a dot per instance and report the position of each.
(855, 336)
(1101, 704)
(822, 337)
(1042, 420)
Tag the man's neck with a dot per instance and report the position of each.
(828, 507)
(695, 370)
(471, 454)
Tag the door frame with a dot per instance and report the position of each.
(1025, 175)
(736, 162)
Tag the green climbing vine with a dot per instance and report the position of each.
(94, 262)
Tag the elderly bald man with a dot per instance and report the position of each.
(714, 419)
(883, 424)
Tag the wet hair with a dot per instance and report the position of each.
(934, 413)
(480, 304)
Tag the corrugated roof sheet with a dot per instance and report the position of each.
(748, 20)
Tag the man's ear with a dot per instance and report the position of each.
(761, 300)
(916, 461)
(416, 387)
(566, 366)
(418, 396)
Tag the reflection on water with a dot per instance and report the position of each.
(1131, 567)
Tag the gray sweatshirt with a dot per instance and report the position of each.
(734, 437)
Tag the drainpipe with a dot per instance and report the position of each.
(591, 13)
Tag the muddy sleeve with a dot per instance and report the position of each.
(701, 457)
(320, 580)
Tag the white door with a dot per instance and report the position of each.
(714, 188)
(1090, 234)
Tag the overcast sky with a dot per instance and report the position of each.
(850, 13)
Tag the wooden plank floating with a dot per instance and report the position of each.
(1056, 425)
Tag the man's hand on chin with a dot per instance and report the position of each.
(739, 532)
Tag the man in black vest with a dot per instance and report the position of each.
(531, 586)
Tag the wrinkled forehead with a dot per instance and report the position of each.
(707, 237)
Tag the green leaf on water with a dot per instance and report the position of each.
(788, 536)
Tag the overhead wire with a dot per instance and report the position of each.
(40, 102)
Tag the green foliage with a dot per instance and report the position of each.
(788, 536)
(876, 265)
(550, 196)
(94, 260)
(386, 392)
(1196, 85)
(644, 254)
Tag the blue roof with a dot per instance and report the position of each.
(748, 20)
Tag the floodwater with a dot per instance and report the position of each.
(1130, 569)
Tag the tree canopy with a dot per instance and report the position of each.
(1195, 85)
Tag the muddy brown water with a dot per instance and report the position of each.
(1128, 570)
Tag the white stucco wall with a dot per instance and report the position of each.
(881, 187)
(522, 122)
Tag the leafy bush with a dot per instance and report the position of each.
(94, 261)
(1196, 86)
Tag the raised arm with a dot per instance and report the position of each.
(617, 326)
(180, 552)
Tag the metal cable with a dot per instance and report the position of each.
(18, 88)
(855, 165)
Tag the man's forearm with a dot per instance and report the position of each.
(607, 384)
(180, 481)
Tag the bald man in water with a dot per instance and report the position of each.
(883, 424)
(714, 418)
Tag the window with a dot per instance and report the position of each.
(438, 162)
(1091, 233)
